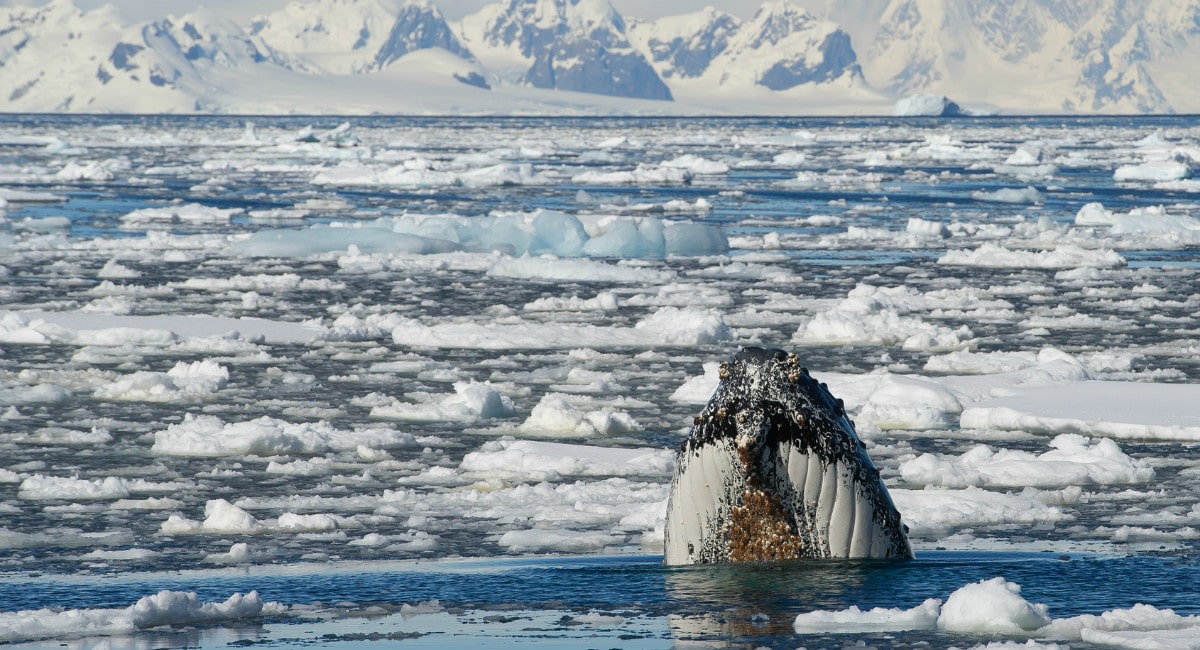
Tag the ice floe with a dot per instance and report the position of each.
(208, 435)
(162, 608)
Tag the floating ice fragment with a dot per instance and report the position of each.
(207, 435)
(184, 213)
(936, 511)
(1010, 195)
(641, 175)
(871, 316)
(924, 228)
(220, 516)
(604, 301)
(184, 382)
(1133, 410)
(238, 553)
(926, 105)
(95, 170)
(991, 607)
(471, 402)
(540, 460)
(1064, 256)
(910, 403)
(1072, 460)
(856, 621)
(667, 326)
(560, 415)
(163, 608)
(697, 165)
(563, 541)
(1153, 170)
(698, 390)
(39, 487)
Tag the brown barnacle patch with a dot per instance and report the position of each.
(760, 530)
(697, 420)
(723, 371)
(745, 455)
(720, 414)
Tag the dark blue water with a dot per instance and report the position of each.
(1071, 584)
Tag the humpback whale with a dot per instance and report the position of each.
(773, 470)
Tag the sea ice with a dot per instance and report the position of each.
(208, 435)
(926, 105)
(65, 488)
(853, 620)
(871, 316)
(82, 328)
(562, 541)
(175, 215)
(1092, 408)
(991, 607)
(996, 607)
(935, 511)
(184, 382)
(699, 389)
(1153, 170)
(1011, 195)
(544, 461)
(162, 608)
(1072, 460)
(471, 402)
(1066, 256)
(559, 415)
(667, 326)
(642, 174)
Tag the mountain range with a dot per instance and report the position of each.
(582, 56)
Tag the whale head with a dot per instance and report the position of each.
(773, 470)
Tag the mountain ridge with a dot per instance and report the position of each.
(555, 56)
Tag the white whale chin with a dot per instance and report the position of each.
(773, 470)
(834, 516)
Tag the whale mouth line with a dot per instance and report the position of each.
(774, 470)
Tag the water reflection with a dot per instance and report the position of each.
(230, 635)
(738, 600)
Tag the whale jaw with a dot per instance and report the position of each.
(773, 470)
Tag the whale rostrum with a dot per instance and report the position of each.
(773, 470)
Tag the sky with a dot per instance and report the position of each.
(241, 10)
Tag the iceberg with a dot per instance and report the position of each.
(927, 105)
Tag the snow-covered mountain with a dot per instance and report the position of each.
(684, 46)
(578, 45)
(59, 58)
(781, 47)
(1038, 55)
(331, 36)
(513, 56)
(419, 26)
